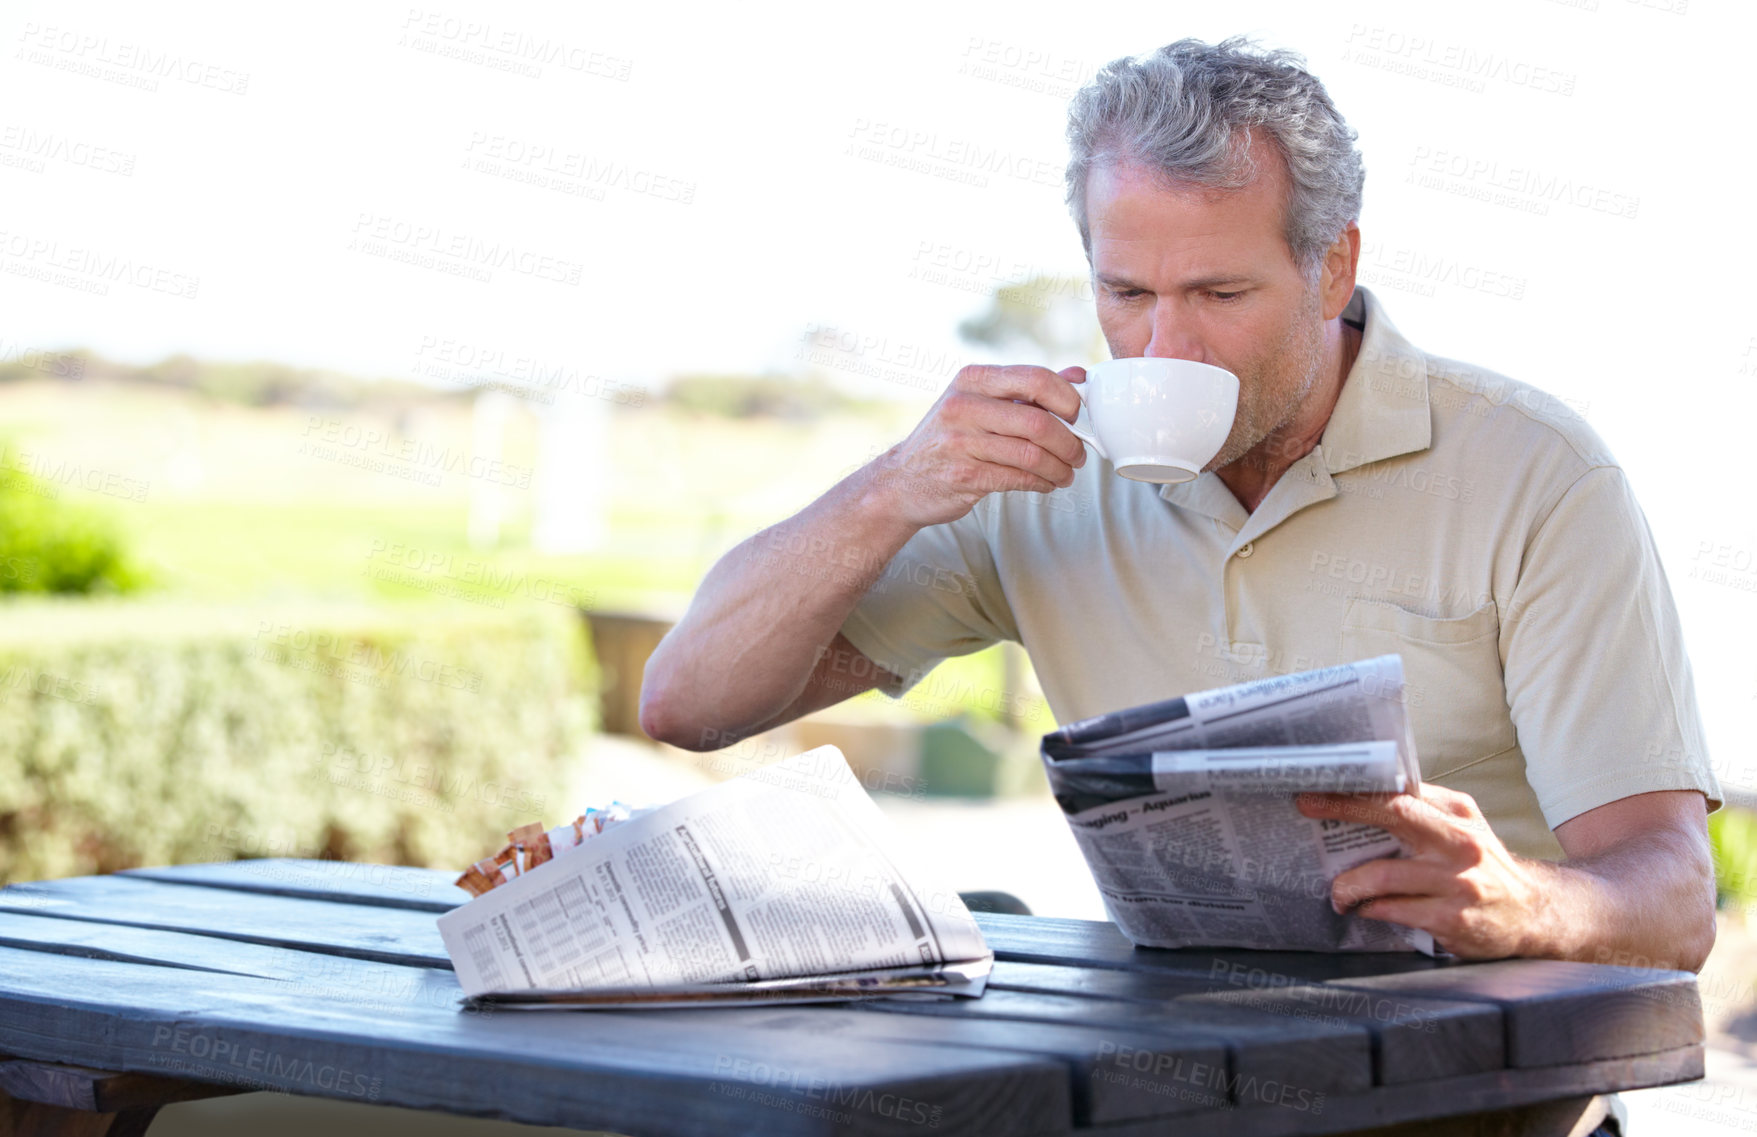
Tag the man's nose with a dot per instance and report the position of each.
(1173, 337)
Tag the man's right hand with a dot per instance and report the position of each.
(994, 428)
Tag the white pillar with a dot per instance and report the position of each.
(487, 430)
(571, 485)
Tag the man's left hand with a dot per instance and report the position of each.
(1456, 879)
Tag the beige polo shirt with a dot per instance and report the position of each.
(1472, 524)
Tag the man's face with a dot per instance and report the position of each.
(1194, 273)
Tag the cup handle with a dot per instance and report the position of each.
(1086, 436)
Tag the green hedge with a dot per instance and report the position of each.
(1733, 833)
(135, 734)
(50, 545)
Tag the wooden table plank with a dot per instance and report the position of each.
(384, 886)
(389, 935)
(131, 945)
(1448, 1098)
(1558, 1013)
(313, 975)
(1097, 944)
(1117, 1073)
(1414, 1037)
(627, 1071)
(1261, 1047)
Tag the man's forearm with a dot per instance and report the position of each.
(1637, 887)
(1647, 902)
(746, 647)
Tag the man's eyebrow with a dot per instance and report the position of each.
(1216, 281)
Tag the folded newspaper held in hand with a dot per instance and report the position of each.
(783, 885)
(1184, 809)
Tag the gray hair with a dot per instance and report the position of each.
(1189, 110)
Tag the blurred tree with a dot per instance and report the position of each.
(1050, 317)
(255, 383)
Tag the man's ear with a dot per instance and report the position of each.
(1336, 281)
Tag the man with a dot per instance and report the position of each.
(1369, 499)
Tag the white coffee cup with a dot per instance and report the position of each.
(1156, 420)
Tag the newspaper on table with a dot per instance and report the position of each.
(1184, 809)
(784, 885)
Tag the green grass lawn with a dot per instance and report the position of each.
(234, 551)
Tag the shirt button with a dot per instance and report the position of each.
(1247, 549)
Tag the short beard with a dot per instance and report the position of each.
(1301, 353)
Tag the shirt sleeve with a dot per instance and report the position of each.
(1598, 682)
(940, 596)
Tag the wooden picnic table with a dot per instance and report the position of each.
(121, 993)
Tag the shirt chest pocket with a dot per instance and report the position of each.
(1452, 679)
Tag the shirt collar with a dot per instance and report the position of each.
(1383, 408)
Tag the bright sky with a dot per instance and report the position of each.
(1555, 189)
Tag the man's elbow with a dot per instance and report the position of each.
(1691, 917)
(662, 720)
(1702, 928)
(654, 723)
(1699, 930)
(1703, 943)
(1692, 931)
